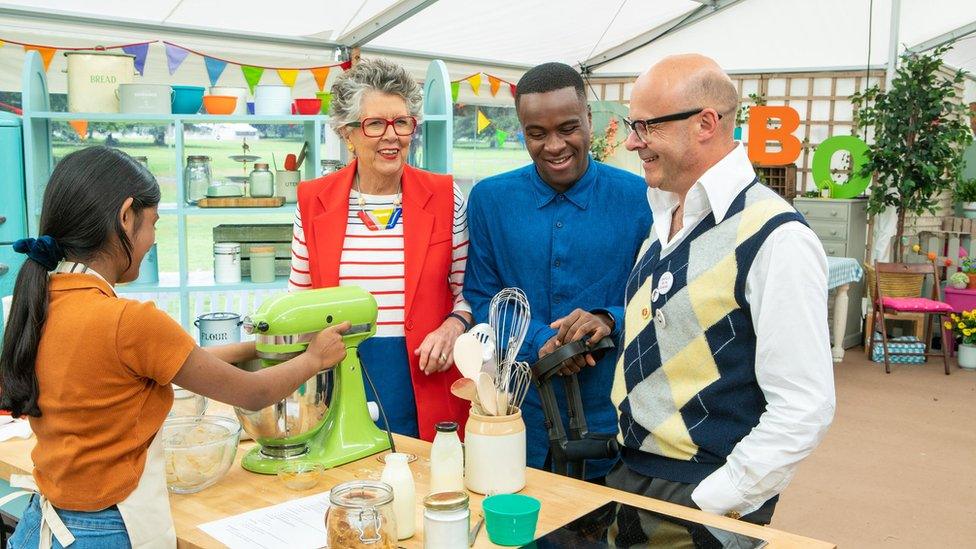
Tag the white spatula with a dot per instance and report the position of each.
(467, 355)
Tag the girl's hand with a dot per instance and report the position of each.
(327, 348)
(437, 351)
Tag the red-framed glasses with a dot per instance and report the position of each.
(376, 127)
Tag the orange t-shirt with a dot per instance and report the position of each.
(104, 365)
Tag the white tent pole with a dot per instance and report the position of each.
(382, 22)
(893, 42)
(942, 39)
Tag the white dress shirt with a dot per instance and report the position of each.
(786, 289)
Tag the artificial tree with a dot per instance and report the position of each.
(920, 131)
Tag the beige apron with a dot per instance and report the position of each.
(146, 512)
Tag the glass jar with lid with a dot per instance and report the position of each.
(446, 520)
(261, 181)
(196, 178)
(360, 515)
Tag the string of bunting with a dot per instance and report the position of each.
(176, 54)
(475, 81)
(138, 49)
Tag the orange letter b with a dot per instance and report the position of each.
(760, 133)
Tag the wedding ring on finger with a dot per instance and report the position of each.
(443, 357)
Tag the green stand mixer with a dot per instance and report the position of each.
(322, 422)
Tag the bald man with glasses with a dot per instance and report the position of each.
(725, 380)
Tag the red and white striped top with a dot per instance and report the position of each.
(373, 260)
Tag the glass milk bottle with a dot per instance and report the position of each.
(446, 460)
(397, 474)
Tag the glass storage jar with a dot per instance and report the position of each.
(196, 178)
(361, 515)
(261, 181)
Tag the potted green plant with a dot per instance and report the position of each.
(963, 327)
(964, 194)
(920, 132)
(959, 280)
(968, 266)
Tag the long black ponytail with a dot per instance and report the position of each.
(80, 214)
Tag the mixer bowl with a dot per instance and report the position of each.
(283, 428)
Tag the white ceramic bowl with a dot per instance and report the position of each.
(198, 451)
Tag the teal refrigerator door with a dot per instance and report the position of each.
(13, 209)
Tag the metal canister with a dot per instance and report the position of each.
(227, 262)
(219, 328)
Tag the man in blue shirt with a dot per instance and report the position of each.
(566, 230)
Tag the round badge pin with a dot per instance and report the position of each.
(665, 283)
(659, 318)
(654, 295)
(646, 313)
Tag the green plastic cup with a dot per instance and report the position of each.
(326, 98)
(511, 518)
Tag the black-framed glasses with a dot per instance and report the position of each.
(376, 127)
(640, 127)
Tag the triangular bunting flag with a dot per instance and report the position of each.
(288, 76)
(140, 51)
(2, 43)
(494, 82)
(475, 81)
(512, 87)
(215, 67)
(174, 57)
(47, 54)
(252, 75)
(345, 65)
(455, 88)
(80, 127)
(321, 74)
(483, 121)
(500, 137)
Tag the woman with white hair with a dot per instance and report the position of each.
(398, 232)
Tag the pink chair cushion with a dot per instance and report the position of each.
(915, 305)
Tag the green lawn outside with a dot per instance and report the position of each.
(470, 165)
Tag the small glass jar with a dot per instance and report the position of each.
(262, 264)
(446, 520)
(227, 263)
(261, 181)
(196, 178)
(361, 515)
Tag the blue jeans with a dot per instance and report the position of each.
(95, 530)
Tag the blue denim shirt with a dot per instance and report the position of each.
(565, 251)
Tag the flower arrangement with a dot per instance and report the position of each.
(604, 146)
(963, 325)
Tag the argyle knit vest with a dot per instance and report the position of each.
(685, 384)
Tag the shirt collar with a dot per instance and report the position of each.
(82, 276)
(718, 186)
(578, 195)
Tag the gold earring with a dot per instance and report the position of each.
(350, 147)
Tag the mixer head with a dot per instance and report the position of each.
(286, 323)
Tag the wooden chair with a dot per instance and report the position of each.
(890, 307)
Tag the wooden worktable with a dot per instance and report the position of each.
(563, 499)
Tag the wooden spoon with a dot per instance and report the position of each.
(467, 355)
(487, 395)
(465, 388)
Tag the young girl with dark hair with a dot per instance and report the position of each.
(92, 371)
